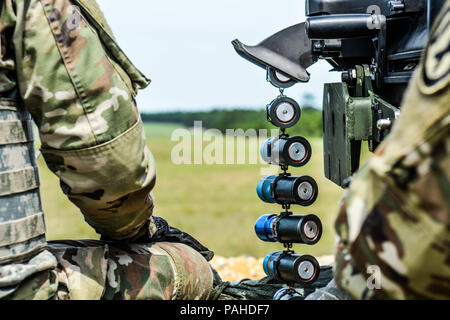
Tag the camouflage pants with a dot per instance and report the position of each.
(92, 270)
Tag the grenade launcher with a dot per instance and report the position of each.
(375, 44)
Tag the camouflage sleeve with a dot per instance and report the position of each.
(7, 64)
(394, 221)
(80, 89)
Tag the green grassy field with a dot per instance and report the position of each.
(217, 204)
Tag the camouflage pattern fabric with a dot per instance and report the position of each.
(60, 59)
(395, 215)
(80, 88)
(22, 224)
(92, 270)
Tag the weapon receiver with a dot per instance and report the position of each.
(375, 44)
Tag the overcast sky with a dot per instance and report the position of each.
(185, 48)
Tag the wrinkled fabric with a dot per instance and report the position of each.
(394, 220)
(12, 275)
(330, 292)
(92, 270)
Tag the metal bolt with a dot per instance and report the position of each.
(285, 112)
(305, 191)
(310, 229)
(384, 124)
(306, 270)
(297, 151)
(318, 45)
(397, 5)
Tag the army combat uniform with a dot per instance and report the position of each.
(60, 61)
(394, 221)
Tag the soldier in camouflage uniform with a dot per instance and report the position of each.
(396, 213)
(60, 60)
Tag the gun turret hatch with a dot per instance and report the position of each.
(288, 53)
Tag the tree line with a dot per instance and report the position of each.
(310, 124)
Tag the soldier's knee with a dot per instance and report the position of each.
(193, 276)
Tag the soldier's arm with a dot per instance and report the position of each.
(394, 221)
(80, 89)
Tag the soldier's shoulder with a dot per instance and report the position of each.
(96, 12)
(434, 76)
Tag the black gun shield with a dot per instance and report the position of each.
(341, 155)
(288, 52)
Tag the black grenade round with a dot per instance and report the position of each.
(306, 229)
(296, 190)
(283, 112)
(291, 268)
(286, 151)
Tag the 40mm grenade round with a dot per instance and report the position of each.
(305, 229)
(283, 112)
(293, 151)
(288, 190)
(291, 268)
